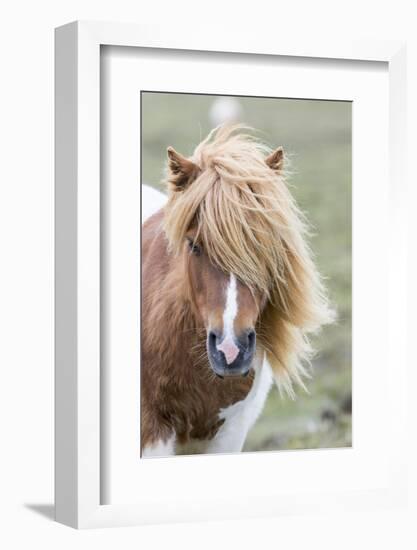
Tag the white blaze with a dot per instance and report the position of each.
(228, 346)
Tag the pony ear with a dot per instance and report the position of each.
(275, 160)
(182, 170)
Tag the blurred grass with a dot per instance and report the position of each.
(317, 137)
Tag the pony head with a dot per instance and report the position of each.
(250, 275)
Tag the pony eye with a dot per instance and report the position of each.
(194, 248)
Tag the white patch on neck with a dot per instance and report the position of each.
(230, 310)
(240, 417)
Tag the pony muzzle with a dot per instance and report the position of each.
(231, 356)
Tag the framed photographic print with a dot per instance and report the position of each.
(228, 213)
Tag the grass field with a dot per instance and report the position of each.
(317, 137)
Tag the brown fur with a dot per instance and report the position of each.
(250, 225)
(231, 196)
(178, 390)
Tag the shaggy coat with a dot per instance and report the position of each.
(179, 392)
(233, 195)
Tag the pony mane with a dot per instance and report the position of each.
(249, 224)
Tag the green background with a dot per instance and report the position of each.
(317, 137)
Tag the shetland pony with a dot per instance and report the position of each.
(230, 293)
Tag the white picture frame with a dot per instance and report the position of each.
(78, 407)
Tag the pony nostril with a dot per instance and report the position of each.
(247, 340)
(251, 339)
(212, 339)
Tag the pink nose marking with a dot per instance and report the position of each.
(230, 350)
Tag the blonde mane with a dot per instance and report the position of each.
(249, 224)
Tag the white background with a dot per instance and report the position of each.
(26, 291)
(273, 475)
